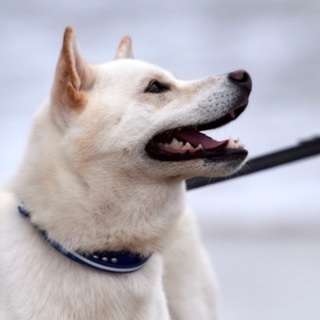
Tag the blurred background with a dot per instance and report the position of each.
(263, 230)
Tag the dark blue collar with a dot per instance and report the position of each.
(109, 261)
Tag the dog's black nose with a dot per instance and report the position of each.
(241, 78)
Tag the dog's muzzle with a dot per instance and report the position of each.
(188, 143)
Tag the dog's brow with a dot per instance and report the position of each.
(159, 78)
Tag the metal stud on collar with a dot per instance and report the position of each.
(104, 258)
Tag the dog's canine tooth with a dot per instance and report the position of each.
(175, 143)
(235, 143)
(199, 147)
(187, 146)
(230, 143)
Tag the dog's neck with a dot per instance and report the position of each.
(139, 220)
(110, 212)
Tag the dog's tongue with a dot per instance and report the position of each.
(195, 138)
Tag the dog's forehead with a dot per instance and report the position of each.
(133, 69)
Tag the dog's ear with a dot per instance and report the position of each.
(125, 49)
(74, 77)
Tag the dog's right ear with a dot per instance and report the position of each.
(125, 49)
(73, 78)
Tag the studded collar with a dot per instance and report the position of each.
(108, 261)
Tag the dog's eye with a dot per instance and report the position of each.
(155, 86)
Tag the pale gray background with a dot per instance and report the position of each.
(263, 231)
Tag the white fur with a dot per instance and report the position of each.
(87, 180)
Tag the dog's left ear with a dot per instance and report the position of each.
(74, 77)
(125, 49)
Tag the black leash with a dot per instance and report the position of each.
(303, 150)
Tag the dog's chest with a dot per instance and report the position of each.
(40, 283)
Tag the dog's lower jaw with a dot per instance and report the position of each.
(183, 170)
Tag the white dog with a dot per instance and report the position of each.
(94, 226)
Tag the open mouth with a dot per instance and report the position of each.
(188, 143)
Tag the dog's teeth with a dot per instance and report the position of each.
(187, 146)
(180, 145)
(174, 143)
(235, 144)
(231, 143)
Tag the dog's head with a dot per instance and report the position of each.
(130, 116)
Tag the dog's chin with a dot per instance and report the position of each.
(213, 163)
(213, 167)
(222, 168)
